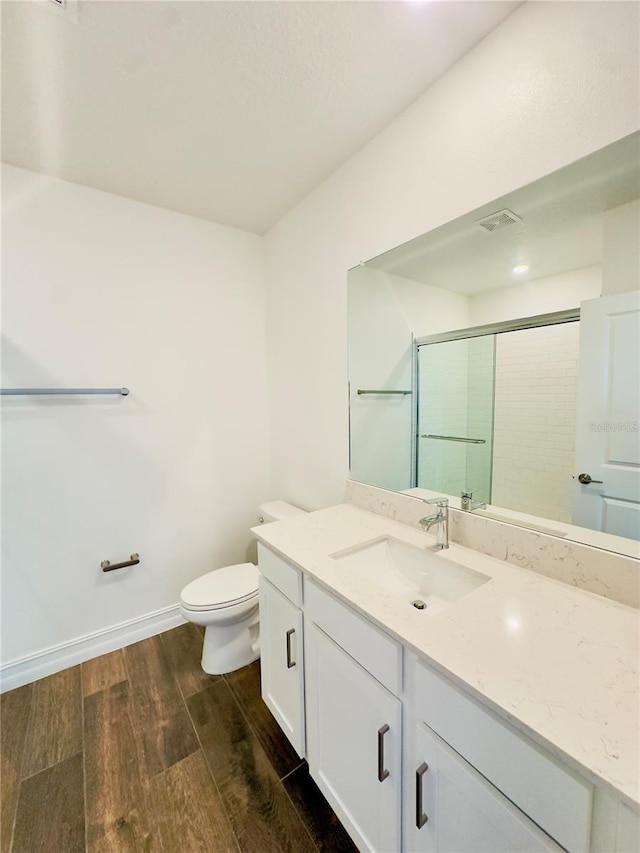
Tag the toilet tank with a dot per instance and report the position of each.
(276, 511)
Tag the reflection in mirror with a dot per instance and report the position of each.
(495, 359)
(496, 398)
(455, 410)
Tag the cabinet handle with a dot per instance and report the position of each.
(382, 773)
(290, 662)
(421, 817)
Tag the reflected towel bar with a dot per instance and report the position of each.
(456, 438)
(40, 391)
(106, 565)
(360, 391)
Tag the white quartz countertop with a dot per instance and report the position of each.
(559, 663)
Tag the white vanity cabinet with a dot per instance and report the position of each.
(456, 810)
(482, 785)
(281, 642)
(354, 722)
(407, 757)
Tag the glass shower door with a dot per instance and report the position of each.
(455, 405)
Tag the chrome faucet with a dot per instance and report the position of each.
(441, 518)
(468, 504)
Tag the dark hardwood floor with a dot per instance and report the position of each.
(140, 750)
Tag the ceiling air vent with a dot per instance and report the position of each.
(496, 221)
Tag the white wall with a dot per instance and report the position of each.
(430, 310)
(385, 312)
(380, 356)
(102, 291)
(555, 82)
(538, 296)
(621, 249)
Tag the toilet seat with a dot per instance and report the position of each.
(222, 588)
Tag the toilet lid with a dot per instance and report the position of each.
(222, 587)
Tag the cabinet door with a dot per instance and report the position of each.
(282, 662)
(353, 743)
(455, 810)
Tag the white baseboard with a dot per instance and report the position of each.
(31, 667)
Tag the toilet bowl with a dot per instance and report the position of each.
(225, 602)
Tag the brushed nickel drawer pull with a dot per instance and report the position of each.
(421, 817)
(290, 662)
(382, 772)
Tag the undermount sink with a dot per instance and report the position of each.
(410, 572)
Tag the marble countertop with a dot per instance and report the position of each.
(559, 663)
(561, 529)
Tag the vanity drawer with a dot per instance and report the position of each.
(554, 797)
(284, 576)
(374, 650)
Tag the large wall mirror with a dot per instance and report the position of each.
(496, 358)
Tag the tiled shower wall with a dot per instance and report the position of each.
(442, 399)
(480, 417)
(534, 425)
(456, 399)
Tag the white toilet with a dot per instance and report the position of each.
(225, 601)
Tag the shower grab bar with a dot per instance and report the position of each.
(361, 391)
(41, 391)
(106, 566)
(456, 438)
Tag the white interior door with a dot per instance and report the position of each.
(608, 411)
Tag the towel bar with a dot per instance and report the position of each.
(106, 566)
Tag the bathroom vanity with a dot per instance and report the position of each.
(498, 713)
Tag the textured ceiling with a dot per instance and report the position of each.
(231, 111)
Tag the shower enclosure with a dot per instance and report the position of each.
(455, 400)
(494, 412)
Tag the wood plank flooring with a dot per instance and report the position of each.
(139, 750)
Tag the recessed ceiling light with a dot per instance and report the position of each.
(520, 269)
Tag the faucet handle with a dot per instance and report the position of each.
(442, 501)
(467, 503)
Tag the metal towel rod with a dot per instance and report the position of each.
(361, 391)
(106, 566)
(41, 391)
(456, 438)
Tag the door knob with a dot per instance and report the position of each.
(585, 479)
